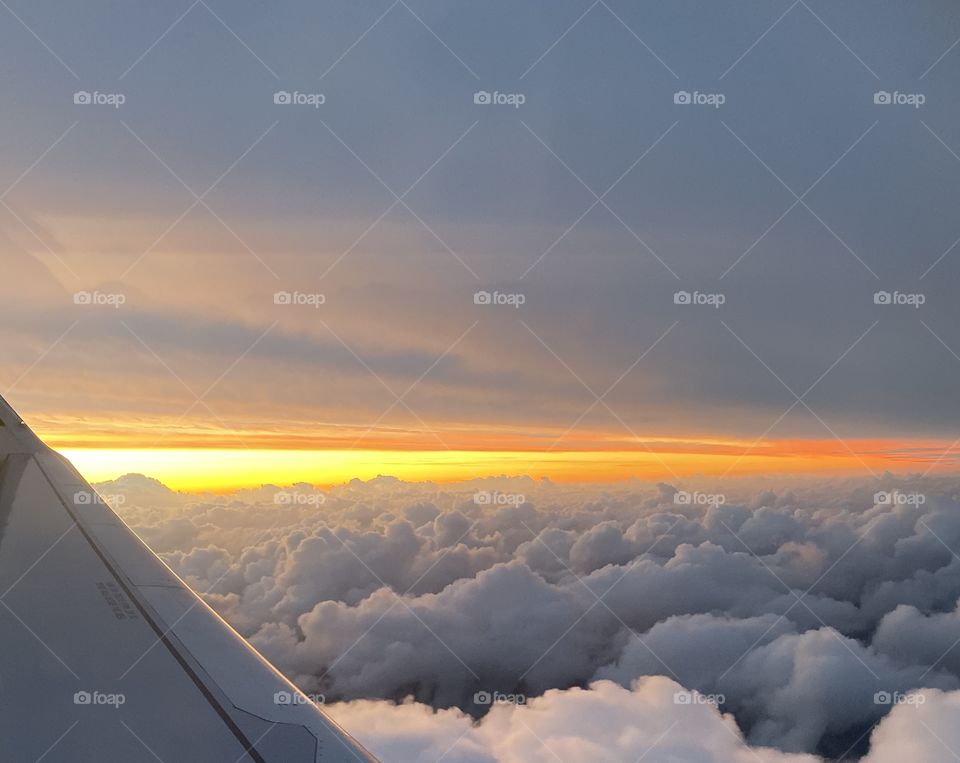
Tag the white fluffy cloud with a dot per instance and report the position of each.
(604, 722)
(924, 729)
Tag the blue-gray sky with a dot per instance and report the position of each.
(797, 199)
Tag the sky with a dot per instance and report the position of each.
(384, 198)
(594, 352)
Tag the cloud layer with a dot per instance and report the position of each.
(797, 617)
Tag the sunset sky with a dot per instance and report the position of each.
(399, 198)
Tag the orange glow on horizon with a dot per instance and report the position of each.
(223, 470)
(197, 455)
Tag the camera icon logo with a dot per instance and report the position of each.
(83, 298)
(283, 298)
(882, 698)
(682, 498)
(682, 98)
(282, 98)
(82, 698)
(882, 98)
(482, 98)
(682, 698)
(482, 298)
(682, 298)
(882, 498)
(82, 98)
(82, 498)
(882, 298)
(283, 698)
(482, 698)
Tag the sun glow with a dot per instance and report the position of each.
(222, 470)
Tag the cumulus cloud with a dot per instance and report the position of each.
(604, 722)
(924, 728)
(817, 690)
(797, 605)
(914, 638)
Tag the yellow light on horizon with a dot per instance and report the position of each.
(224, 470)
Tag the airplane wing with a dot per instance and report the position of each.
(106, 655)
